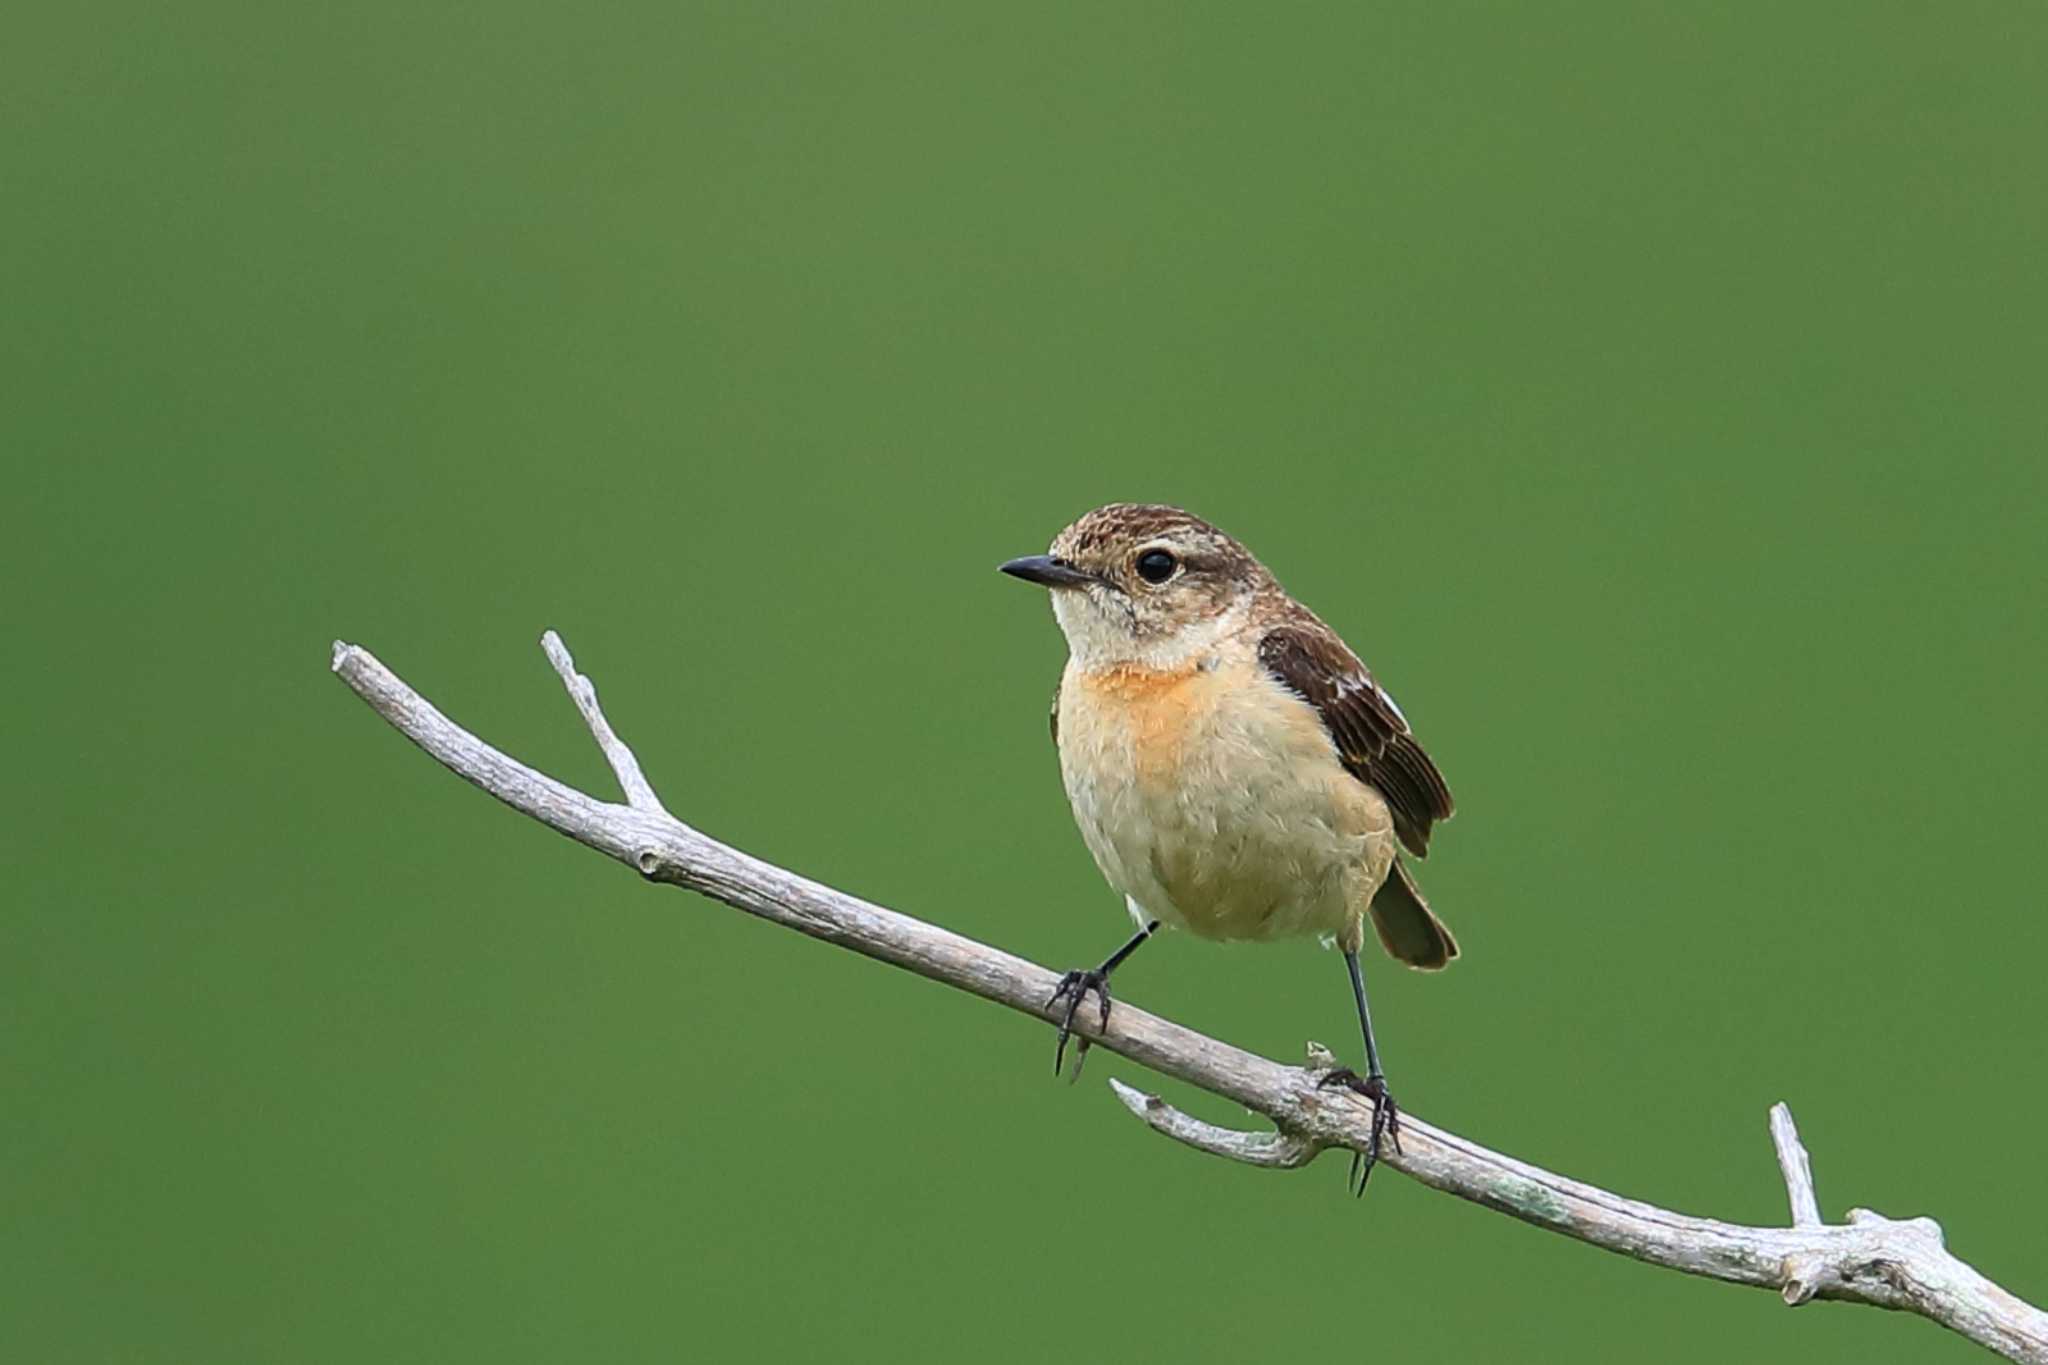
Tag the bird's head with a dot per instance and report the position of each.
(1144, 584)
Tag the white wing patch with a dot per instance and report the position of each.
(1393, 706)
(1354, 682)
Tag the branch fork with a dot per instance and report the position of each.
(1870, 1259)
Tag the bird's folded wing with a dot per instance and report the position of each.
(1371, 734)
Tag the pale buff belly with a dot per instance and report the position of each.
(1215, 802)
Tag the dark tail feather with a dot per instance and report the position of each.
(1406, 926)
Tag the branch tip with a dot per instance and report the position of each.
(1135, 1100)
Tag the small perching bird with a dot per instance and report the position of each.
(1233, 767)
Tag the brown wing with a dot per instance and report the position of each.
(1371, 734)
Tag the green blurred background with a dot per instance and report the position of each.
(1654, 396)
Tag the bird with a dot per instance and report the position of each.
(1234, 769)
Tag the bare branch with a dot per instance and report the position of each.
(1871, 1259)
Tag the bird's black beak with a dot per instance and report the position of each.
(1049, 571)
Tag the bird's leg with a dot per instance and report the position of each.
(1386, 1116)
(1074, 988)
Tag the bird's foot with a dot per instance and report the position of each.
(1074, 988)
(1386, 1120)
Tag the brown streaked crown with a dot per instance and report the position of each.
(1118, 525)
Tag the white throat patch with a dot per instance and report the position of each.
(1100, 634)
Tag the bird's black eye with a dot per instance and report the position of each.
(1156, 566)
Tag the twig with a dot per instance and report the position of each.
(1280, 1151)
(1870, 1259)
(1797, 1170)
(639, 792)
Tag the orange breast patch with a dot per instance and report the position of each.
(1157, 710)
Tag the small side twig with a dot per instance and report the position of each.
(639, 791)
(1797, 1169)
(1871, 1259)
(1276, 1151)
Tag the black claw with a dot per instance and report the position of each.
(1074, 988)
(1386, 1121)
